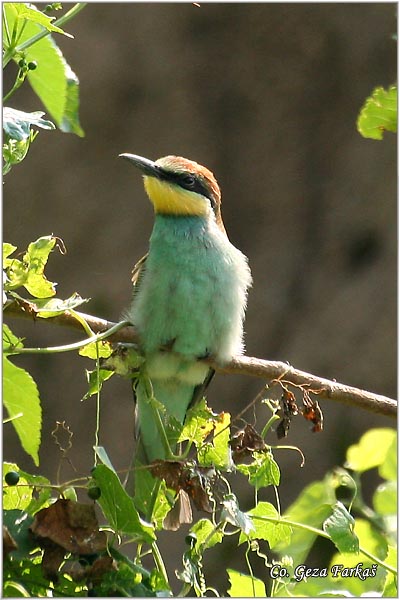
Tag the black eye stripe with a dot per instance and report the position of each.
(195, 185)
(189, 181)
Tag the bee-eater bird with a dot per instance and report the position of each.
(190, 293)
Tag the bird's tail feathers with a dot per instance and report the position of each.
(168, 398)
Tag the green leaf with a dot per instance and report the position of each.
(126, 581)
(17, 275)
(95, 381)
(17, 124)
(159, 584)
(233, 515)
(56, 85)
(146, 487)
(51, 307)
(192, 573)
(46, 308)
(30, 494)
(342, 483)
(70, 120)
(388, 468)
(341, 563)
(29, 573)
(263, 471)
(30, 13)
(245, 586)
(36, 258)
(312, 507)
(15, 496)
(348, 576)
(30, 271)
(103, 456)
(18, 523)
(340, 527)
(207, 534)
(94, 350)
(199, 423)
(379, 113)
(21, 399)
(370, 538)
(385, 498)
(371, 451)
(264, 529)
(390, 586)
(69, 493)
(7, 250)
(14, 152)
(53, 80)
(10, 340)
(119, 508)
(218, 454)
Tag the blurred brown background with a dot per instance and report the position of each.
(267, 97)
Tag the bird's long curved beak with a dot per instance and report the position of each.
(148, 167)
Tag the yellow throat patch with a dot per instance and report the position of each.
(170, 199)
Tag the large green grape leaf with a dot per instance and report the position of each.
(53, 80)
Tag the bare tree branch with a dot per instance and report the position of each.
(327, 389)
(243, 365)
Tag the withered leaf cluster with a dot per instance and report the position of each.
(190, 481)
(246, 441)
(67, 527)
(310, 410)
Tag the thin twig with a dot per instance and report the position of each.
(243, 365)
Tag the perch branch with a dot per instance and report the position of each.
(243, 365)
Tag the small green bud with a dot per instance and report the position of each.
(94, 493)
(11, 478)
(53, 6)
(22, 63)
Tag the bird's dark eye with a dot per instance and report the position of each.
(188, 180)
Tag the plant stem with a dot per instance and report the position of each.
(159, 561)
(303, 459)
(68, 347)
(250, 569)
(70, 14)
(380, 562)
(153, 500)
(268, 425)
(97, 431)
(17, 84)
(17, 416)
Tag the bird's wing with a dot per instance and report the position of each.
(137, 272)
(201, 388)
